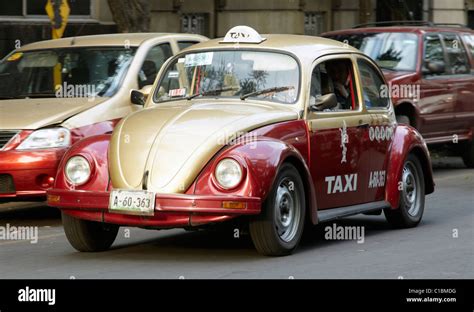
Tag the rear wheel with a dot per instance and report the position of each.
(278, 230)
(89, 236)
(412, 196)
(468, 154)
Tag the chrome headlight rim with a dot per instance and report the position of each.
(217, 173)
(85, 161)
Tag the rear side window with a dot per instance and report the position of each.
(185, 44)
(152, 64)
(457, 57)
(469, 39)
(434, 52)
(372, 86)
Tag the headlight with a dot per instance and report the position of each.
(228, 173)
(77, 170)
(47, 138)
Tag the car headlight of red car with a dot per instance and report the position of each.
(46, 138)
(228, 173)
(77, 170)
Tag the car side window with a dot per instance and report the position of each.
(155, 58)
(185, 44)
(372, 86)
(469, 39)
(334, 76)
(457, 56)
(433, 55)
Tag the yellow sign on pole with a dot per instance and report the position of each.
(58, 12)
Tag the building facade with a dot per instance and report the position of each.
(24, 21)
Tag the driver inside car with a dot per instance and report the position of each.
(339, 73)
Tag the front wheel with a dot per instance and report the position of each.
(412, 196)
(89, 236)
(277, 231)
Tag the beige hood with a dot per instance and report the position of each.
(23, 114)
(174, 143)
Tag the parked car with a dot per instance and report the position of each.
(54, 93)
(254, 127)
(430, 71)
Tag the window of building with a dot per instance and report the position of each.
(195, 24)
(314, 23)
(37, 7)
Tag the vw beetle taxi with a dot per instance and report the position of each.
(280, 131)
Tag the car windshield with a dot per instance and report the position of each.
(391, 50)
(75, 72)
(232, 74)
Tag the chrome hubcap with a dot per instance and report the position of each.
(287, 210)
(411, 187)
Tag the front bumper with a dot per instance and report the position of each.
(22, 173)
(171, 210)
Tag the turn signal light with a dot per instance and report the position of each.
(233, 205)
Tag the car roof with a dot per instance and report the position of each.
(305, 48)
(133, 39)
(406, 29)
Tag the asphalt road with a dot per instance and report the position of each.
(442, 246)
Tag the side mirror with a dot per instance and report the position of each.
(138, 98)
(327, 101)
(435, 68)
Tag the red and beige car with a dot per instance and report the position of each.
(54, 93)
(249, 127)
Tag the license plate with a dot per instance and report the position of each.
(132, 202)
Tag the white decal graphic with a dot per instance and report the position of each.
(381, 133)
(344, 141)
(377, 179)
(337, 185)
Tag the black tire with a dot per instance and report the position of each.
(412, 196)
(268, 231)
(89, 236)
(468, 155)
(403, 119)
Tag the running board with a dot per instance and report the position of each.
(338, 213)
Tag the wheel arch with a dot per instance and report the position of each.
(408, 109)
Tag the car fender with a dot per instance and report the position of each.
(406, 140)
(95, 150)
(261, 159)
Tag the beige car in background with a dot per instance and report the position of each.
(54, 93)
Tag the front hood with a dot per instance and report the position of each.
(31, 114)
(174, 143)
(397, 77)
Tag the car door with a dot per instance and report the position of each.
(381, 128)
(437, 103)
(337, 141)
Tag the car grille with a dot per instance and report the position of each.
(6, 184)
(6, 136)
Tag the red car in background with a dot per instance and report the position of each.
(430, 73)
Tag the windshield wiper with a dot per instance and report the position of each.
(211, 92)
(268, 90)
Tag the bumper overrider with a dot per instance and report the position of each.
(171, 210)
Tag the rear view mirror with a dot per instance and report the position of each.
(435, 68)
(327, 101)
(137, 98)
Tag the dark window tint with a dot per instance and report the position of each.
(469, 39)
(457, 57)
(152, 64)
(11, 7)
(184, 44)
(372, 86)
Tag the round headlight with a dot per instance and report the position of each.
(228, 173)
(78, 170)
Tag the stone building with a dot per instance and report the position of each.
(23, 21)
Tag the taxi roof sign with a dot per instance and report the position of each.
(242, 34)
